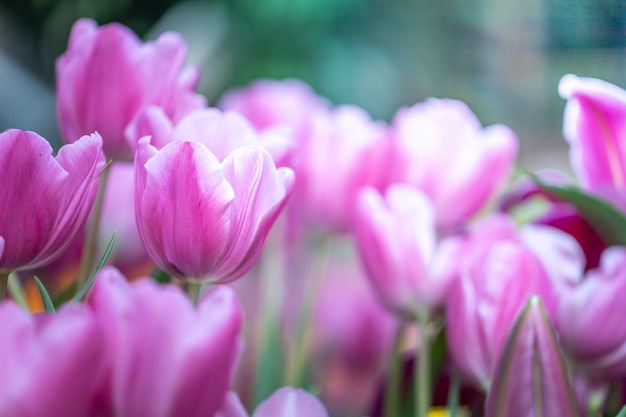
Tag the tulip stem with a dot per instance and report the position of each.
(89, 246)
(422, 367)
(393, 376)
(4, 281)
(192, 287)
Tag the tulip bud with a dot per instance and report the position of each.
(290, 402)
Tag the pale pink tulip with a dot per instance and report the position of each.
(443, 150)
(495, 270)
(165, 357)
(594, 125)
(290, 402)
(397, 241)
(204, 220)
(107, 75)
(46, 199)
(51, 363)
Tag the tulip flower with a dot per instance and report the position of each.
(46, 199)
(494, 272)
(594, 125)
(397, 241)
(531, 377)
(221, 132)
(591, 318)
(290, 402)
(337, 154)
(202, 219)
(268, 103)
(51, 363)
(165, 357)
(107, 75)
(443, 150)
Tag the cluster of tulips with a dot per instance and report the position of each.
(406, 273)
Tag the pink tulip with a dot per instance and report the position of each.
(46, 199)
(396, 238)
(495, 271)
(444, 151)
(268, 103)
(51, 363)
(221, 132)
(165, 357)
(531, 377)
(201, 219)
(591, 318)
(290, 402)
(107, 75)
(337, 154)
(594, 125)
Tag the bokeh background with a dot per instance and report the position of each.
(503, 57)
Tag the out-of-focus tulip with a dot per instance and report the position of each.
(221, 132)
(396, 238)
(268, 103)
(200, 219)
(531, 377)
(495, 270)
(46, 199)
(443, 150)
(594, 124)
(51, 363)
(107, 75)
(165, 357)
(290, 402)
(337, 154)
(591, 318)
(232, 407)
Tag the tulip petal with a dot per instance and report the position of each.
(232, 407)
(290, 402)
(531, 376)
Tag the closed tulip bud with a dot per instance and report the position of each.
(107, 75)
(202, 219)
(165, 357)
(531, 377)
(593, 125)
(46, 199)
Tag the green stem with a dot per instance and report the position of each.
(15, 289)
(192, 288)
(422, 370)
(453, 393)
(4, 281)
(89, 246)
(393, 374)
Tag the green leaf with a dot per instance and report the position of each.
(161, 276)
(622, 412)
(47, 301)
(608, 221)
(83, 291)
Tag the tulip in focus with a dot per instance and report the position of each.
(591, 319)
(46, 199)
(51, 363)
(495, 270)
(443, 150)
(594, 125)
(107, 75)
(397, 240)
(202, 219)
(165, 357)
(531, 377)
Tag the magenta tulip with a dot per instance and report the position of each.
(290, 402)
(46, 199)
(495, 272)
(444, 151)
(531, 377)
(165, 357)
(591, 318)
(203, 220)
(397, 240)
(594, 125)
(107, 75)
(51, 363)
(268, 103)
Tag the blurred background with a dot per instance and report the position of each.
(503, 57)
